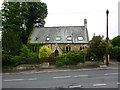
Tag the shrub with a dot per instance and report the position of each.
(44, 52)
(16, 60)
(27, 56)
(70, 58)
(6, 59)
(115, 53)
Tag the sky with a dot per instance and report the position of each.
(73, 13)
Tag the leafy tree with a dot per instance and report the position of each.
(97, 47)
(45, 52)
(115, 52)
(19, 19)
(116, 41)
(22, 17)
(34, 14)
(11, 43)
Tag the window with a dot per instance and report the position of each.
(80, 38)
(69, 38)
(36, 38)
(47, 38)
(56, 53)
(58, 38)
(34, 48)
(68, 48)
(80, 48)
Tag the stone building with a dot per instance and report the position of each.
(59, 38)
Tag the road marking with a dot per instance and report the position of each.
(99, 84)
(20, 79)
(111, 73)
(63, 77)
(81, 76)
(118, 82)
(75, 86)
(14, 80)
(32, 79)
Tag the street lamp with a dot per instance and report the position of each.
(107, 38)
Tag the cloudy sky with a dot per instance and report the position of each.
(73, 13)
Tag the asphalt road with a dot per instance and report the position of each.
(71, 79)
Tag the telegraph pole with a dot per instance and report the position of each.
(107, 38)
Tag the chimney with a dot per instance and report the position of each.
(85, 23)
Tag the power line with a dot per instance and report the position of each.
(86, 12)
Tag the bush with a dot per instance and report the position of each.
(45, 52)
(115, 53)
(70, 58)
(16, 60)
(28, 57)
(6, 60)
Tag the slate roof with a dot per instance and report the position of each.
(63, 34)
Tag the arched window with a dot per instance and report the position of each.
(80, 48)
(34, 48)
(68, 48)
(56, 53)
(83, 48)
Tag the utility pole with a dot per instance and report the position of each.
(107, 38)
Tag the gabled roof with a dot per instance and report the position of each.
(64, 34)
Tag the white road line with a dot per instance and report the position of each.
(118, 82)
(63, 77)
(74, 86)
(20, 79)
(111, 73)
(32, 79)
(99, 84)
(14, 80)
(81, 76)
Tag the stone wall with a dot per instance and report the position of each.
(60, 47)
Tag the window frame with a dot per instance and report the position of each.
(69, 38)
(58, 38)
(80, 38)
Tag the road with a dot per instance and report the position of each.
(71, 79)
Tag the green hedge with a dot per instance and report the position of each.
(70, 58)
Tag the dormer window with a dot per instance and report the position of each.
(69, 38)
(58, 38)
(80, 38)
(47, 38)
(36, 38)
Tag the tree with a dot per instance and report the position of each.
(116, 41)
(97, 48)
(11, 43)
(34, 15)
(45, 52)
(18, 20)
(22, 17)
(115, 52)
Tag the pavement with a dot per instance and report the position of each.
(112, 65)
